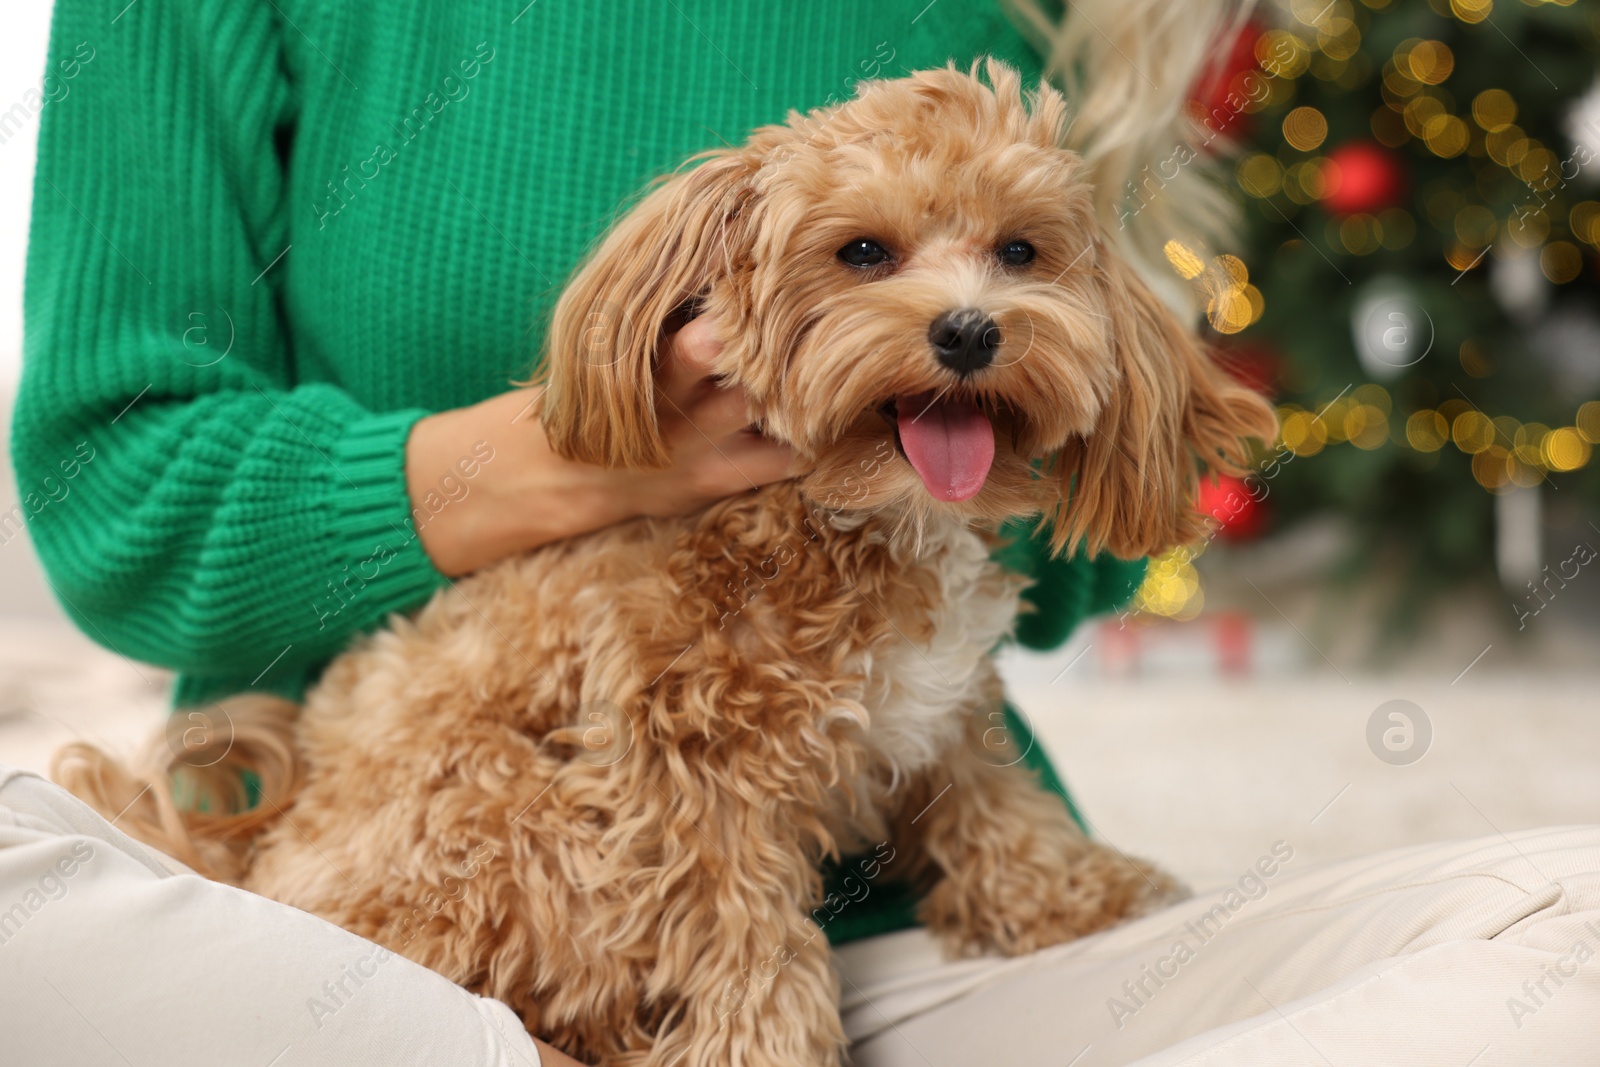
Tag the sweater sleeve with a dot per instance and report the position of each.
(1065, 592)
(217, 517)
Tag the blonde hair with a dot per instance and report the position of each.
(1126, 67)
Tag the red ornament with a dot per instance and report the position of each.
(1230, 502)
(1362, 177)
(1256, 366)
(1218, 98)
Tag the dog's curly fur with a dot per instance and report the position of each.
(596, 781)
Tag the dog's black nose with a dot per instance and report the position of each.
(964, 339)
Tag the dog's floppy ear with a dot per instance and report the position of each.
(1130, 484)
(598, 404)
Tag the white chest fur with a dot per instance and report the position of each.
(918, 691)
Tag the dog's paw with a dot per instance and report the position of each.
(1023, 907)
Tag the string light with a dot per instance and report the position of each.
(1171, 586)
(1493, 109)
(1529, 227)
(1427, 430)
(1260, 175)
(1472, 432)
(1525, 441)
(1429, 62)
(1470, 208)
(1504, 451)
(1560, 261)
(1339, 38)
(1489, 468)
(1564, 449)
(1419, 110)
(1584, 221)
(1184, 260)
(1588, 422)
(1283, 54)
(1302, 432)
(1473, 361)
(1232, 303)
(1445, 136)
(1506, 144)
(1359, 233)
(1366, 427)
(1375, 396)
(1305, 128)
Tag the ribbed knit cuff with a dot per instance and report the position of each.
(369, 519)
(198, 690)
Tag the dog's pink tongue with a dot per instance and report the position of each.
(949, 442)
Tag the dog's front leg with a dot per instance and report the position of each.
(749, 975)
(1013, 872)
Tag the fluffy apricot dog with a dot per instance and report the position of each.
(630, 751)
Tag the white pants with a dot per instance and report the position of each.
(1479, 952)
(1482, 952)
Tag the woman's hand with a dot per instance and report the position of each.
(471, 511)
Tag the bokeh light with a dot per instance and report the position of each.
(1427, 430)
(1560, 261)
(1493, 109)
(1429, 62)
(1305, 128)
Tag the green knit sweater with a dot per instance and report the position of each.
(269, 235)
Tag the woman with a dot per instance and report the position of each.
(287, 260)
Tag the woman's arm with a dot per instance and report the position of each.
(194, 506)
(213, 507)
(529, 496)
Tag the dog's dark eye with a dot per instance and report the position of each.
(1016, 253)
(864, 253)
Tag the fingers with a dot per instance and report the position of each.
(684, 384)
(687, 361)
(720, 413)
(728, 457)
(763, 461)
(743, 463)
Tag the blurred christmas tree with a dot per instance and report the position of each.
(1419, 280)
